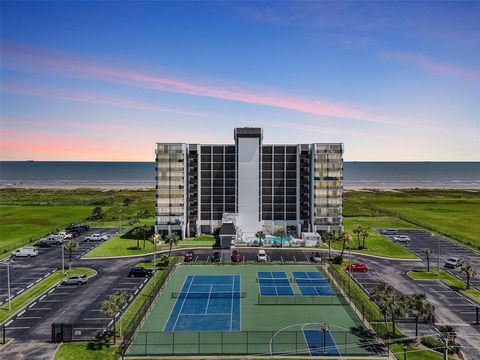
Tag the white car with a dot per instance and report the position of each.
(76, 279)
(401, 238)
(66, 235)
(262, 256)
(27, 251)
(56, 239)
(96, 237)
(454, 262)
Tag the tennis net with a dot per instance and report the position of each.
(319, 281)
(274, 280)
(206, 294)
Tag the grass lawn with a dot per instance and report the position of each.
(415, 353)
(27, 296)
(21, 224)
(376, 244)
(87, 351)
(447, 279)
(121, 245)
(452, 213)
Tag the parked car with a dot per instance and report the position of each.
(27, 251)
(140, 272)
(44, 243)
(261, 256)
(188, 257)
(235, 256)
(402, 238)
(357, 267)
(316, 257)
(56, 239)
(66, 235)
(216, 257)
(76, 279)
(454, 262)
(76, 230)
(388, 232)
(96, 237)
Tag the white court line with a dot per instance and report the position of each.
(208, 300)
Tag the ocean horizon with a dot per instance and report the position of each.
(357, 174)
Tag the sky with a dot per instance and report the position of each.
(105, 81)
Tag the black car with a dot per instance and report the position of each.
(215, 257)
(44, 244)
(140, 272)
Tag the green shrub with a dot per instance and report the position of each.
(432, 342)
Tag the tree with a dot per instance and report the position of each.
(97, 214)
(420, 308)
(448, 332)
(379, 295)
(126, 201)
(427, 252)
(281, 234)
(358, 231)
(470, 272)
(155, 239)
(71, 245)
(137, 234)
(113, 304)
(260, 235)
(346, 238)
(140, 232)
(364, 235)
(329, 237)
(397, 306)
(171, 240)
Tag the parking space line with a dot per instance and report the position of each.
(43, 297)
(40, 309)
(30, 317)
(8, 323)
(93, 319)
(32, 305)
(21, 313)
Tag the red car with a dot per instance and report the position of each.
(357, 267)
(236, 256)
(188, 256)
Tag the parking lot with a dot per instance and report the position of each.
(275, 255)
(25, 272)
(420, 239)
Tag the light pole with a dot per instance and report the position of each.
(63, 258)
(350, 270)
(438, 255)
(8, 285)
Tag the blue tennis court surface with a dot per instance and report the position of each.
(207, 303)
(320, 343)
(274, 283)
(312, 283)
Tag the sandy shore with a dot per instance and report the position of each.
(144, 186)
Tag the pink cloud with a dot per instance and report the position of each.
(63, 94)
(438, 68)
(23, 58)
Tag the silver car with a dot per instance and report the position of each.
(454, 262)
(401, 238)
(76, 279)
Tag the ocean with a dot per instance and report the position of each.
(357, 175)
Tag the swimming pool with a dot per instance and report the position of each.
(269, 240)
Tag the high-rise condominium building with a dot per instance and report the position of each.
(263, 187)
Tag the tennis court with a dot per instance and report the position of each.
(312, 283)
(321, 343)
(207, 303)
(214, 310)
(274, 283)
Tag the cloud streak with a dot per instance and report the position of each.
(23, 58)
(431, 66)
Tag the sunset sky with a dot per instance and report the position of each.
(107, 80)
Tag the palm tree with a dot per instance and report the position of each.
(329, 237)
(449, 332)
(171, 240)
(346, 238)
(144, 230)
(113, 304)
(155, 239)
(364, 235)
(379, 295)
(358, 231)
(470, 272)
(137, 233)
(71, 245)
(397, 306)
(260, 235)
(427, 252)
(281, 234)
(420, 308)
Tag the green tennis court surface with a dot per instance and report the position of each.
(293, 326)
